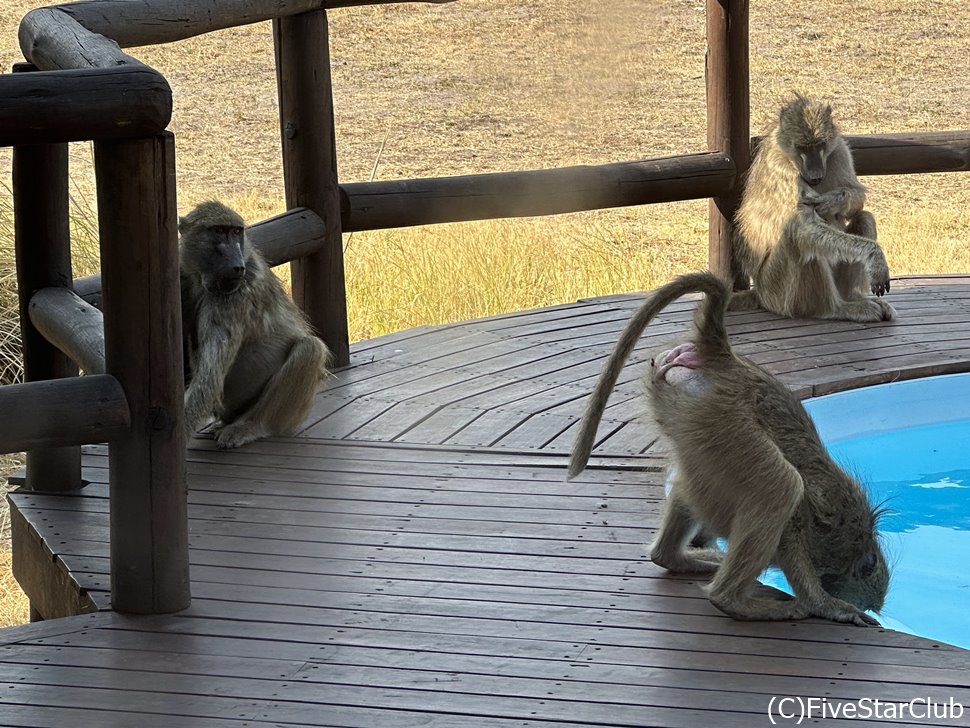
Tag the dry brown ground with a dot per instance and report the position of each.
(488, 85)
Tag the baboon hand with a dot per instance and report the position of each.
(879, 274)
(196, 414)
(840, 611)
(833, 205)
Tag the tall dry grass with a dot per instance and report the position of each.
(13, 604)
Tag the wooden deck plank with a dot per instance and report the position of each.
(573, 657)
(531, 389)
(416, 557)
(441, 667)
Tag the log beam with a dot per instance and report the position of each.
(401, 203)
(143, 350)
(728, 123)
(52, 40)
(56, 413)
(310, 171)
(74, 326)
(150, 22)
(76, 105)
(43, 255)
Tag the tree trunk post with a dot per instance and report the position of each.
(43, 252)
(310, 170)
(728, 122)
(143, 351)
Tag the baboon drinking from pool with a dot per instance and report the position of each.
(802, 235)
(252, 360)
(748, 466)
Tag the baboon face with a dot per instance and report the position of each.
(864, 583)
(848, 556)
(214, 247)
(807, 134)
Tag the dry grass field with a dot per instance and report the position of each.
(491, 85)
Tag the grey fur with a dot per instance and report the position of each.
(747, 465)
(802, 233)
(252, 360)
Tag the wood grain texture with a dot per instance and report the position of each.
(42, 243)
(56, 413)
(728, 123)
(401, 203)
(71, 324)
(76, 105)
(143, 350)
(52, 40)
(420, 580)
(150, 22)
(304, 85)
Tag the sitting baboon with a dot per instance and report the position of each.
(252, 360)
(802, 235)
(748, 466)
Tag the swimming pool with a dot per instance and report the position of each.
(909, 442)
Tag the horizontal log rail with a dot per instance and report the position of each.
(293, 234)
(280, 239)
(72, 325)
(84, 104)
(911, 153)
(58, 412)
(151, 22)
(907, 153)
(402, 203)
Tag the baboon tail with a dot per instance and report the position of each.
(709, 321)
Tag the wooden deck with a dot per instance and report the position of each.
(415, 557)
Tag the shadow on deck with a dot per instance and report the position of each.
(415, 556)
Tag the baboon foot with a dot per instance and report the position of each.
(744, 301)
(868, 310)
(888, 312)
(752, 608)
(839, 611)
(238, 433)
(691, 561)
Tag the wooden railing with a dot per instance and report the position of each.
(133, 400)
(129, 342)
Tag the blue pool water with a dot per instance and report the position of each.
(909, 442)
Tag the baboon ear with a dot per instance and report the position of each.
(181, 223)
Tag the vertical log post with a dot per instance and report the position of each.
(43, 251)
(728, 122)
(310, 170)
(143, 350)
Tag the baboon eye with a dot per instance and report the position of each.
(866, 565)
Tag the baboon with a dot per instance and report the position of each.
(802, 234)
(252, 360)
(748, 466)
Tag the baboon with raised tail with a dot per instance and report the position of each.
(252, 360)
(802, 234)
(747, 465)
